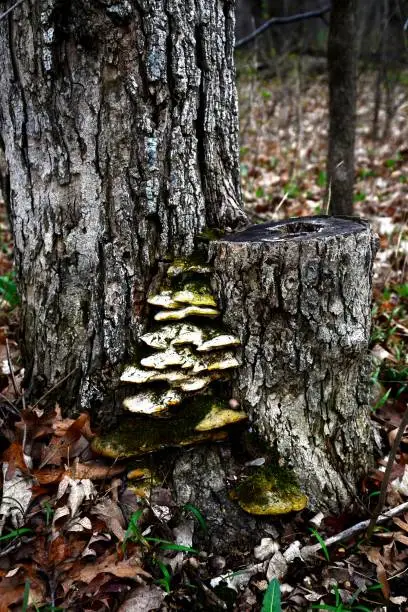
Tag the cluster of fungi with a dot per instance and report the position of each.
(177, 401)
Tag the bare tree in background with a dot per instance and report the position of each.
(342, 60)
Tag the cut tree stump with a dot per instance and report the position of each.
(297, 293)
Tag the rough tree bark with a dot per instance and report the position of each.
(342, 63)
(119, 122)
(298, 294)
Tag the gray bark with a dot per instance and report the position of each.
(342, 64)
(120, 126)
(298, 295)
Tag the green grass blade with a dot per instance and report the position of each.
(166, 545)
(16, 533)
(26, 596)
(321, 542)
(165, 582)
(272, 598)
(197, 515)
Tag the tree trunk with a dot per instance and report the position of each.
(342, 63)
(120, 129)
(298, 295)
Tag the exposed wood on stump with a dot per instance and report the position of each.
(120, 130)
(297, 293)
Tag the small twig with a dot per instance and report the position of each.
(283, 200)
(308, 551)
(387, 473)
(326, 212)
(57, 384)
(13, 408)
(10, 365)
(15, 5)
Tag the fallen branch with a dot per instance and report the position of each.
(236, 580)
(281, 21)
(308, 551)
(9, 10)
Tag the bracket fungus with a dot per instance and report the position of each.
(138, 435)
(188, 311)
(152, 403)
(187, 356)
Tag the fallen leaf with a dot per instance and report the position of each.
(381, 353)
(383, 580)
(126, 568)
(96, 537)
(95, 471)
(71, 443)
(15, 459)
(17, 493)
(58, 550)
(143, 599)
(79, 490)
(109, 512)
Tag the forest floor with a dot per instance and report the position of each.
(65, 542)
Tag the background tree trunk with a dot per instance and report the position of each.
(342, 63)
(120, 129)
(298, 295)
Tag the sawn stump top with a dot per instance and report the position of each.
(299, 228)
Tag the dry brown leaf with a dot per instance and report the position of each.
(10, 594)
(401, 538)
(58, 551)
(400, 523)
(109, 512)
(126, 568)
(48, 475)
(383, 580)
(143, 599)
(15, 459)
(95, 471)
(381, 353)
(69, 444)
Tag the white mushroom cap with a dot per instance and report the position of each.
(168, 358)
(163, 299)
(220, 341)
(196, 311)
(220, 417)
(151, 403)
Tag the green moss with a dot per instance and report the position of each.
(196, 293)
(192, 265)
(269, 491)
(211, 233)
(138, 435)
